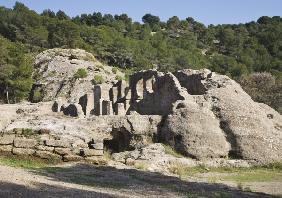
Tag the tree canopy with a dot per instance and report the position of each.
(237, 50)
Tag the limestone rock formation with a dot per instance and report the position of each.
(252, 129)
(154, 93)
(55, 70)
(195, 132)
(201, 114)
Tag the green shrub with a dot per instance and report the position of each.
(118, 77)
(114, 70)
(37, 95)
(98, 79)
(81, 73)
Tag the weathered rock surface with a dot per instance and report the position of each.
(55, 69)
(199, 113)
(46, 134)
(154, 93)
(253, 130)
(195, 132)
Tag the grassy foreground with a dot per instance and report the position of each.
(25, 162)
(269, 173)
(212, 180)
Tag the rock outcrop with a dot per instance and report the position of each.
(201, 114)
(194, 131)
(55, 74)
(252, 129)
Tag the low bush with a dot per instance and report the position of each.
(98, 79)
(81, 73)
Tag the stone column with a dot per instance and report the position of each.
(90, 104)
(121, 88)
(97, 94)
(107, 107)
(114, 94)
(120, 109)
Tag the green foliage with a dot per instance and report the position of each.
(98, 79)
(27, 132)
(26, 162)
(15, 71)
(271, 172)
(265, 88)
(141, 166)
(118, 77)
(169, 150)
(151, 19)
(234, 50)
(80, 73)
(63, 33)
(114, 70)
(37, 95)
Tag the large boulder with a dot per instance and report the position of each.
(254, 130)
(195, 132)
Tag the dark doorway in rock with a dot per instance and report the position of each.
(83, 102)
(120, 141)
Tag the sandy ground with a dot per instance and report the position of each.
(81, 180)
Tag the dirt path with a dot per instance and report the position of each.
(81, 180)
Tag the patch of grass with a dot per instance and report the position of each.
(254, 175)
(118, 77)
(212, 180)
(26, 162)
(80, 73)
(274, 166)
(183, 171)
(98, 79)
(37, 95)
(169, 150)
(27, 132)
(271, 172)
(141, 166)
(107, 155)
(88, 57)
(114, 70)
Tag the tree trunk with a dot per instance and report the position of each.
(7, 95)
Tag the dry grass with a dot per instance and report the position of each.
(170, 151)
(141, 166)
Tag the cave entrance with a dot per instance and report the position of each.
(120, 141)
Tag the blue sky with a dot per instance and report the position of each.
(205, 11)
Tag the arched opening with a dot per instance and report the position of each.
(120, 141)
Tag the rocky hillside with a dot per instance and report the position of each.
(205, 117)
(57, 74)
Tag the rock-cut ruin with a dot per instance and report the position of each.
(201, 114)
